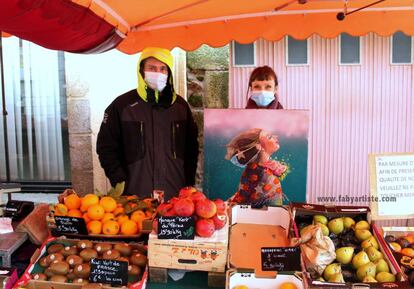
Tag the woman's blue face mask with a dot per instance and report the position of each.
(263, 97)
(235, 161)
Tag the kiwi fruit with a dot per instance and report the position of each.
(60, 268)
(139, 259)
(82, 271)
(84, 244)
(111, 254)
(69, 250)
(88, 254)
(48, 272)
(124, 249)
(39, 276)
(55, 257)
(74, 260)
(134, 270)
(55, 248)
(58, 278)
(71, 275)
(102, 247)
(92, 286)
(80, 281)
(44, 262)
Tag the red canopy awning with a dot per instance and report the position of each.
(85, 25)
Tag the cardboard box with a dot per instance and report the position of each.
(235, 278)
(34, 268)
(301, 210)
(203, 254)
(251, 229)
(8, 276)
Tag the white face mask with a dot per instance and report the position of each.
(262, 97)
(156, 80)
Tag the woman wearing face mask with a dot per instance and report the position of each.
(260, 181)
(263, 89)
(148, 137)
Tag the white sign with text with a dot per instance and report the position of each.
(394, 184)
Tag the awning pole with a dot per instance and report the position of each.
(3, 101)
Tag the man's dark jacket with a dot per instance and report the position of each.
(150, 146)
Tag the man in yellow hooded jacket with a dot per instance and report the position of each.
(148, 137)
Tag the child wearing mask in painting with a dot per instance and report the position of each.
(263, 89)
(260, 181)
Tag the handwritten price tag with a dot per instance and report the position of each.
(280, 259)
(178, 228)
(109, 272)
(71, 225)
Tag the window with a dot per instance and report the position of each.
(401, 49)
(349, 49)
(37, 128)
(244, 54)
(297, 51)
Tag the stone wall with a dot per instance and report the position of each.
(207, 87)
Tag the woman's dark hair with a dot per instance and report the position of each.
(262, 73)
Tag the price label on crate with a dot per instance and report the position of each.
(70, 225)
(108, 271)
(281, 259)
(178, 228)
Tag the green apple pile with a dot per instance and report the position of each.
(358, 258)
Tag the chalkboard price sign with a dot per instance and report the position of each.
(108, 271)
(70, 225)
(281, 259)
(178, 228)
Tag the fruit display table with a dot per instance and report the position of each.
(8, 244)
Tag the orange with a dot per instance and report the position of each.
(287, 285)
(118, 211)
(121, 219)
(74, 213)
(408, 252)
(110, 228)
(129, 227)
(108, 203)
(129, 198)
(107, 217)
(72, 201)
(96, 212)
(87, 201)
(138, 216)
(86, 218)
(61, 210)
(409, 238)
(94, 227)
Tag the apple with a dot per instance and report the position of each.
(184, 207)
(219, 220)
(163, 208)
(221, 205)
(206, 208)
(186, 192)
(205, 228)
(198, 196)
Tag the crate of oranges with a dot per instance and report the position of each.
(110, 215)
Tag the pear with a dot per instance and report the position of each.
(368, 269)
(325, 230)
(348, 222)
(331, 269)
(336, 278)
(320, 219)
(369, 279)
(360, 259)
(382, 266)
(385, 277)
(362, 225)
(373, 254)
(344, 255)
(371, 241)
(362, 234)
(336, 226)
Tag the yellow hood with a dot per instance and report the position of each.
(163, 55)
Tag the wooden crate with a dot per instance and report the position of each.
(202, 254)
